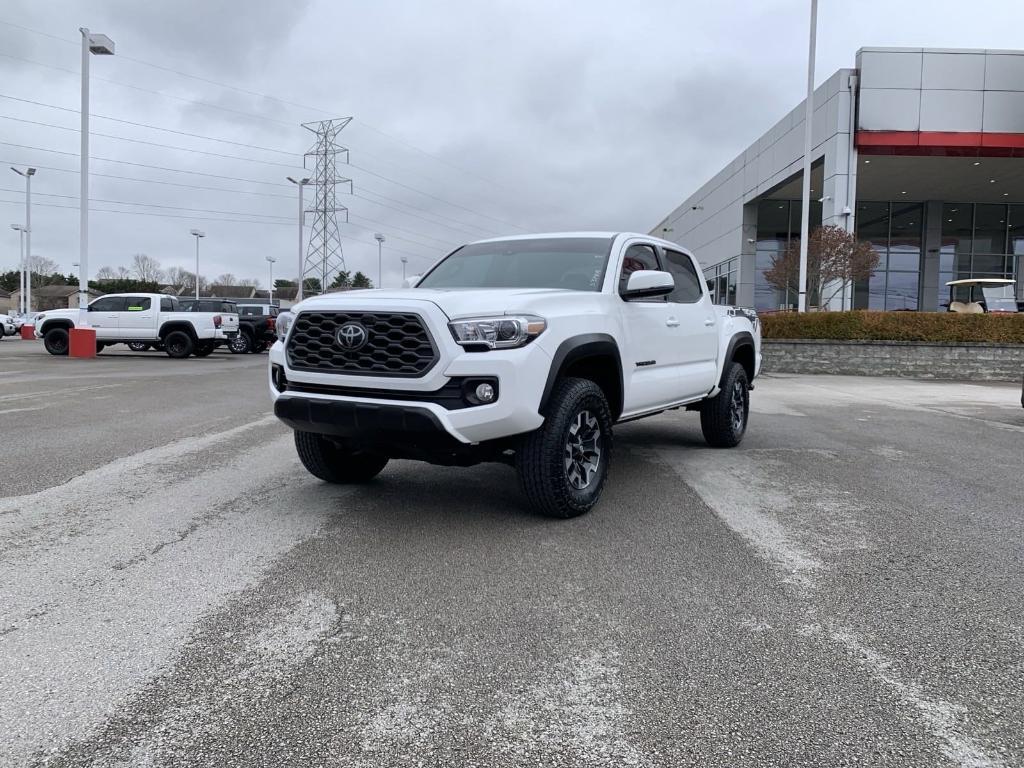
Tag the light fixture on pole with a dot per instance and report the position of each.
(270, 261)
(380, 263)
(197, 234)
(82, 337)
(20, 229)
(805, 206)
(404, 262)
(28, 173)
(301, 183)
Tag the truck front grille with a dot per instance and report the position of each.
(396, 344)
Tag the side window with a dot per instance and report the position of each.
(638, 256)
(687, 290)
(166, 305)
(138, 303)
(108, 304)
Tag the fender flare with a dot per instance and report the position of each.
(177, 325)
(57, 322)
(577, 348)
(738, 341)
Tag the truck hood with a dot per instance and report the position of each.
(456, 302)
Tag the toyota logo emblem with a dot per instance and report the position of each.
(352, 336)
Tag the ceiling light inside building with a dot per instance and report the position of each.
(977, 162)
(991, 181)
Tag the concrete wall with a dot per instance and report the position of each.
(908, 359)
(713, 222)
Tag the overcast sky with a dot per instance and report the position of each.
(471, 118)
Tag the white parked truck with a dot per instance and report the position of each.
(153, 318)
(523, 350)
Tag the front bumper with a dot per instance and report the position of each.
(520, 373)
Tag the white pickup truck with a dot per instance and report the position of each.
(154, 318)
(521, 350)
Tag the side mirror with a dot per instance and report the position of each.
(410, 282)
(648, 283)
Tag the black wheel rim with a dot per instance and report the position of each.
(738, 407)
(176, 347)
(583, 450)
(60, 344)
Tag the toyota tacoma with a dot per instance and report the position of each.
(523, 350)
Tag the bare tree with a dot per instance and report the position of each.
(835, 260)
(226, 279)
(106, 273)
(248, 282)
(147, 268)
(123, 273)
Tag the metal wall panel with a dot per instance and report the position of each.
(890, 69)
(889, 109)
(1004, 111)
(1004, 72)
(953, 71)
(951, 110)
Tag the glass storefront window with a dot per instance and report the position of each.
(901, 290)
(957, 223)
(989, 228)
(905, 237)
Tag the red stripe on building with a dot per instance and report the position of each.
(938, 143)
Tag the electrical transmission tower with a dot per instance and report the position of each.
(324, 257)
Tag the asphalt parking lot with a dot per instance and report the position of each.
(846, 588)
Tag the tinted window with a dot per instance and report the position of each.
(687, 289)
(167, 304)
(572, 263)
(138, 303)
(108, 304)
(637, 257)
(251, 310)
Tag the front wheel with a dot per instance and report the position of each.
(723, 418)
(178, 345)
(564, 463)
(138, 346)
(241, 344)
(56, 341)
(334, 462)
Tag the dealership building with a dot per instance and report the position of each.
(918, 151)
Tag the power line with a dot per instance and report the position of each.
(148, 143)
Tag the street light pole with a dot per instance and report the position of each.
(805, 206)
(380, 262)
(100, 45)
(20, 229)
(197, 234)
(26, 291)
(404, 262)
(270, 261)
(302, 262)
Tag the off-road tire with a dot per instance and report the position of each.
(204, 349)
(100, 346)
(240, 344)
(723, 418)
(56, 341)
(542, 458)
(178, 344)
(138, 346)
(334, 462)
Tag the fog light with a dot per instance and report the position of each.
(484, 392)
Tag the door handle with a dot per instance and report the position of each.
(112, 316)
(672, 322)
(709, 321)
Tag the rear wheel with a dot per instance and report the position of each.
(241, 344)
(138, 346)
(723, 418)
(178, 344)
(563, 464)
(99, 347)
(261, 347)
(335, 462)
(56, 341)
(204, 348)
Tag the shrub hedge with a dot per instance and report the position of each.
(895, 326)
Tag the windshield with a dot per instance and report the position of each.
(999, 298)
(569, 263)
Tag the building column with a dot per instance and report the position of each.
(928, 301)
(839, 193)
(747, 273)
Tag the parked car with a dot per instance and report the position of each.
(7, 326)
(521, 350)
(124, 318)
(256, 328)
(227, 309)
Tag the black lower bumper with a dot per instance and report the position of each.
(347, 419)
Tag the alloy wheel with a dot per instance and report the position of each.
(583, 450)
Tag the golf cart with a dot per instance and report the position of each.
(982, 294)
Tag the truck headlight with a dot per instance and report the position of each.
(283, 323)
(497, 332)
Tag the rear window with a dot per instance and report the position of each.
(252, 310)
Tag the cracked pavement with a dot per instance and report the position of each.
(843, 589)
